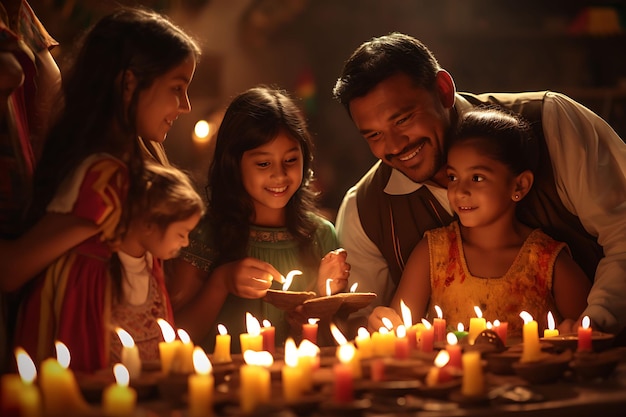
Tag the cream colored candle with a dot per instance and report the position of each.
(200, 385)
(118, 399)
(169, 346)
(531, 351)
(221, 354)
(130, 353)
(473, 383)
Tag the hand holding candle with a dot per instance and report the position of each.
(201, 385)
(118, 399)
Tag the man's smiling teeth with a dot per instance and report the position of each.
(465, 208)
(412, 154)
(277, 190)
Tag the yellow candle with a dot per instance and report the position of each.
(221, 354)
(61, 395)
(201, 385)
(308, 360)
(19, 393)
(364, 343)
(477, 325)
(119, 399)
(130, 353)
(291, 373)
(550, 331)
(473, 383)
(169, 346)
(253, 340)
(530, 336)
(183, 357)
(255, 380)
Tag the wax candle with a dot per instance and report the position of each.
(501, 329)
(407, 319)
(343, 388)
(425, 337)
(118, 399)
(477, 325)
(473, 382)
(169, 346)
(531, 351)
(268, 333)
(584, 335)
(253, 339)
(364, 343)
(291, 373)
(454, 351)
(377, 369)
(551, 331)
(221, 354)
(254, 388)
(20, 395)
(309, 330)
(384, 342)
(200, 385)
(437, 373)
(183, 357)
(460, 332)
(308, 360)
(439, 323)
(341, 340)
(130, 353)
(61, 395)
(402, 343)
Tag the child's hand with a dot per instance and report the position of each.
(375, 319)
(249, 277)
(333, 266)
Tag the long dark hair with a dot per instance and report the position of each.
(253, 119)
(93, 117)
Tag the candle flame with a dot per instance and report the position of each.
(383, 330)
(201, 362)
(267, 323)
(167, 330)
(496, 323)
(406, 314)
(442, 358)
(452, 339)
(222, 329)
(439, 311)
(122, 377)
(289, 279)
(183, 336)
(460, 327)
(362, 332)
(489, 325)
(526, 317)
(478, 311)
(252, 325)
(551, 323)
(426, 323)
(308, 348)
(63, 354)
(586, 322)
(353, 287)
(291, 353)
(401, 331)
(346, 352)
(339, 337)
(328, 291)
(313, 321)
(25, 366)
(387, 323)
(263, 358)
(125, 337)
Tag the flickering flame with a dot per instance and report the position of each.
(401, 331)
(526, 317)
(122, 377)
(252, 325)
(63, 354)
(201, 362)
(291, 353)
(439, 311)
(289, 278)
(25, 366)
(586, 322)
(426, 323)
(263, 358)
(551, 323)
(313, 321)
(479, 313)
(442, 358)
(406, 314)
(353, 287)
(328, 291)
(346, 352)
(496, 323)
(167, 330)
(183, 336)
(222, 329)
(383, 330)
(267, 323)
(308, 348)
(125, 337)
(339, 337)
(460, 327)
(452, 339)
(362, 332)
(387, 323)
(489, 325)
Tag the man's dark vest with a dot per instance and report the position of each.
(396, 223)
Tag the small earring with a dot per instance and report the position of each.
(516, 196)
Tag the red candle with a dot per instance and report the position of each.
(454, 351)
(426, 337)
(411, 335)
(501, 329)
(411, 330)
(309, 330)
(402, 343)
(269, 336)
(439, 323)
(377, 369)
(584, 335)
(342, 371)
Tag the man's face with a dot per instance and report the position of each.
(404, 125)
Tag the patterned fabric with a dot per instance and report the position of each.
(526, 286)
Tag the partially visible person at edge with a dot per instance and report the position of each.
(261, 224)
(406, 107)
(128, 84)
(488, 258)
(29, 81)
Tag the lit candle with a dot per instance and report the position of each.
(253, 339)
(183, 358)
(402, 343)
(501, 329)
(439, 323)
(291, 373)
(454, 351)
(407, 319)
(308, 360)
(364, 343)
(473, 383)
(341, 340)
(477, 325)
(343, 385)
(118, 399)
(130, 353)
(584, 335)
(289, 279)
(200, 385)
(530, 336)
(309, 330)
(61, 395)
(437, 374)
(460, 332)
(268, 332)
(20, 395)
(384, 342)
(221, 354)
(425, 337)
(551, 331)
(254, 388)
(169, 346)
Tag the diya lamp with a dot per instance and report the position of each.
(268, 332)
(551, 331)
(254, 376)
(200, 385)
(477, 325)
(407, 319)
(130, 353)
(439, 323)
(20, 395)
(118, 399)
(221, 354)
(168, 347)
(252, 340)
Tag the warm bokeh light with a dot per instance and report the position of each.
(168, 331)
(201, 362)
(201, 131)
